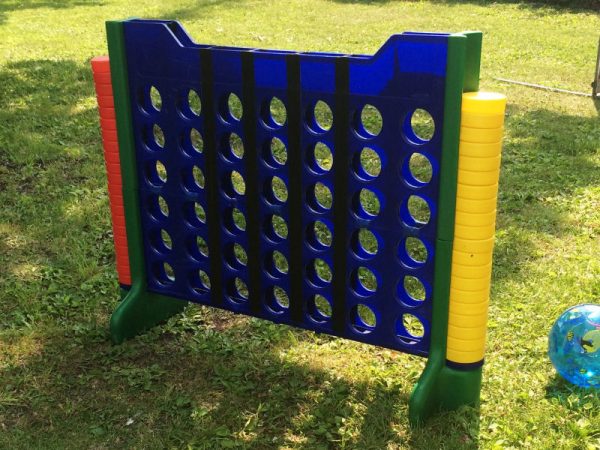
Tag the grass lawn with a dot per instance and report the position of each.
(209, 379)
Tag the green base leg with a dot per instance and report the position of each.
(443, 388)
(139, 311)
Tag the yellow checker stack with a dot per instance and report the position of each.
(482, 126)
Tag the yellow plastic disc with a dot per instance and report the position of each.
(467, 333)
(476, 120)
(475, 206)
(463, 357)
(492, 103)
(476, 192)
(469, 284)
(470, 246)
(470, 296)
(479, 164)
(479, 150)
(466, 344)
(472, 178)
(467, 232)
(472, 271)
(476, 219)
(481, 135)
(468, 309)
(471, 259)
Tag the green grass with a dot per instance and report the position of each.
(209, 379)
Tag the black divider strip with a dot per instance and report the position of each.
(251, 155)
(341, 172)
(295, 235)
(213, 216)
(464, 366)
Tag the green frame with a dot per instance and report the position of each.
(439, 387)
(139, 309)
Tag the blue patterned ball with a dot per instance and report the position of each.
(574, 345)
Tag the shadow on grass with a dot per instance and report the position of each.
(9, 6)
(53, 224)
(546, 160)
(197, 10)
(573, 6)
(572, 397)
(205, 389)
(546, 154)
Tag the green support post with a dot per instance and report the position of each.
(473, 60)
(140, 309)
(442, 387)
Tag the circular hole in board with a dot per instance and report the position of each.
(320, 273)
(320, 197)
(410, 329)
(412, 291)
(420, 169)
(238, 185)
(322, 158)
(155, 98)
(319, 308)
(368, 164)
(419, 127)
(363, 318)
(278, 190)
(320, 119)
(234, 107)
(364, 281)
(277, 153)
(371, 121)
(319, 236)
(193, 102)
(164, 273)
(196, 141)
(415, 211)
(276, 228)
(365, 243)
(277, 264)
(274, 113)
(199, 248)
(201, 282)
